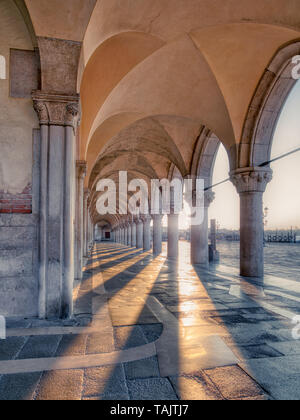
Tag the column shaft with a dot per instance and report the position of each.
(147, 234)
(173, 236)
(139, 235)
(81, 168)
(133, 235)
(157, 235)
(199, 242)
(251, 223)
(68, 224)
(251, 184)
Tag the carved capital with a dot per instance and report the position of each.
(157, 217)
(81, 166)
(56, 109)
(87, 194)
(209, 197)
(251, 179)
(42, 111)
(137, 220)
(146, 218)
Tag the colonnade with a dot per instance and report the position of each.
(135, 232)
(251, 184)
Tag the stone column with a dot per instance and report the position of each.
(133, 235)
(251, 184)
(58, 120)
(81, 173)
(146, 233)
(157, 234)
(199, 235)
(173, 236)
(129, 235)
(139, 234)
(125, 234)
(122, 235)
(85, 221)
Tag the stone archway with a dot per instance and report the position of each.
(270, 96)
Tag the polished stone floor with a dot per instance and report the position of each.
(151, 328)
(281, 259)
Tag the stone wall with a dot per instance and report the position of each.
(19, 173)
(18, 265)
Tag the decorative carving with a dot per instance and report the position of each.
(137, 220)
(206, 199)
(42, 111)
(87, 194)
(81, 168)
(54, 109)
(157, 217)
(209, 197)
(72, 112)
(251, 179)
(145, 218)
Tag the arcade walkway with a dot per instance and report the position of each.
(149, 328)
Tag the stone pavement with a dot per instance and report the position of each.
(281, 259)
(148, 328)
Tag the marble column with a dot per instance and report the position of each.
(126, 235)
(123, 235)
(133, 235)
(199, 235)
(251, 183)
(146, 233)
(58, 120)
(173, 236)
(129, 235)
(81, 173)
(85, 222)
(139, 234)
(157, 234)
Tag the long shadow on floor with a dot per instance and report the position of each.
(253, 332)
(143, 378)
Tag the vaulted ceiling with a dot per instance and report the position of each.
(153, 73)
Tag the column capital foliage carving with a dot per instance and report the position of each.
(81, 166)
(157, 217)
(209, 197)
(145, 218)
(87, 194)
(56, 109)
(251, 179)
(137, 220)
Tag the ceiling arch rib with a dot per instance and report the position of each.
(147, 137)
(179, 76)
(238, 57)
(168, 19)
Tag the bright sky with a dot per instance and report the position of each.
(283, 193)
